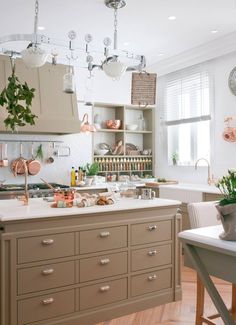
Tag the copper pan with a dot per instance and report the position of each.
(33, 165)
(18, 166)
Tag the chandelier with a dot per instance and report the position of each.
(112, 61)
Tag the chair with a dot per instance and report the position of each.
(204, 214)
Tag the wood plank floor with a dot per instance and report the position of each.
(178, 313)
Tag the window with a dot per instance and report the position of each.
(187, 115)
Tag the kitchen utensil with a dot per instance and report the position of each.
(49, 185)
(33, 165)
(18, 166)
(113, 124)
(4, 160)
(50, 159)
(100, 152)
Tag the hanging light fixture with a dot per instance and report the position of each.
(68, 78)
(86, 127)
(114, 62)
(33, 56)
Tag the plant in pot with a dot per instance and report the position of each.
(227, 205)
(17, 98)
(91, 171)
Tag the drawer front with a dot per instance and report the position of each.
(150, 232)
(150, 282)
(45, 277)
(39, 248)
(103, 239)
(103, 293)
(45, 307)
(150, 257)
(103, 266)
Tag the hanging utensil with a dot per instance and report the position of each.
(33, 165)
(4, 160)
(18, 166)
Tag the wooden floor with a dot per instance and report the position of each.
(179, 313)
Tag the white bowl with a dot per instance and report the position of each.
(100, 152)
(131, 127)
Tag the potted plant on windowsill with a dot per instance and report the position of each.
(91, 171)
(227, 205)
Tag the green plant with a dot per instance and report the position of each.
(227, 186)
(16, 98)
(92, 169)
(39, 152)
(175, 158)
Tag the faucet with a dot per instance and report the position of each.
(210, 178)
(25, 198)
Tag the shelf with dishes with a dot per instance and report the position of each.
(124, 138)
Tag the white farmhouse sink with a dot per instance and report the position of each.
(187, 193)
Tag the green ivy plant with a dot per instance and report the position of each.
(17, 98)
(227, 186)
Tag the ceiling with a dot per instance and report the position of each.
(144, 24)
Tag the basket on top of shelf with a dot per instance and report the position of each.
(134, 153)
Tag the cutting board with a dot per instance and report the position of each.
(154, 184)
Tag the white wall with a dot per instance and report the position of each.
(105, 90)
(223, 154)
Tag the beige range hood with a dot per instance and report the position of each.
(57, 111)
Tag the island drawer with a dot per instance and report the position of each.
(46, 306)
(39, 248)
(103, 266)
(150, 232)
(150, 257)
(103, 293)
(45, 277)
(103, 239)
(150, 282)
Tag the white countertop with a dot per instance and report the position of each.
(204, 188)
(11, 210)
(208, 236)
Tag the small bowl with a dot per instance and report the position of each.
(113, 124)
(131, 127)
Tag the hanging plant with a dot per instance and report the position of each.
(17, 98)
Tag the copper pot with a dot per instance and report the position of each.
(113, 124)
(33, 165)
(18, 166)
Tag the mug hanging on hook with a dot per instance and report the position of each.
(229, 133)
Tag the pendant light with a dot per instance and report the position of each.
(69, 78)
(34, 56)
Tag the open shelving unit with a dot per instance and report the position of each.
(135, 164)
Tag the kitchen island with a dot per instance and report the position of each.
(79, 266)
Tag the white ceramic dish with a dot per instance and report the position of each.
(100, 152)
(131, 127)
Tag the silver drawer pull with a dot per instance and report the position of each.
(152, 253)
(104, 234)
(152, 277)
(104, 261)
(152, 227)
(47, 301)
(47, 242)
(104, 288)
(47, 272)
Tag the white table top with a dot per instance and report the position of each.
(208, 236)
(11, 210)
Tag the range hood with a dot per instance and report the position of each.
(57, 111)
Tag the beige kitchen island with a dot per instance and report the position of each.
(80, 266)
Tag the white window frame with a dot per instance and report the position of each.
(207, 117)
